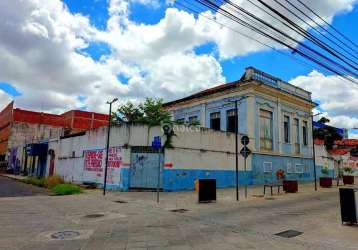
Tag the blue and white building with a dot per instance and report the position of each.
(274, 114)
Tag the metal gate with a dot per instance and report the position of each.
(144, 172)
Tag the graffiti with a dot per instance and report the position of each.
(93, 160)
(114, 158)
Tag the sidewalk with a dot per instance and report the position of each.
(225, 197)
(133, 220)
(15, 177)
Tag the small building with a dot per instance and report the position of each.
(22, 132)
(195, 153)
(344, 154)
(274, 114)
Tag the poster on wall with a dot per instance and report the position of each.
(115, 157)
(95, 162)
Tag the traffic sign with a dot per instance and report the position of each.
(245, 152)
(157, 142)
(245, 140)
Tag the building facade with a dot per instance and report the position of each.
(196, 153)
(24, 135)
(274, 114)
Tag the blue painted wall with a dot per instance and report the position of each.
(280, 162)
(221, 106)
(183, 179)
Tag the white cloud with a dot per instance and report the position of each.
(338, 97)
(231, 44)
(353, 136)
(40, 42)
(4, 99)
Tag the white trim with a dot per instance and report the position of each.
(289, 168)
(302, 168)
(267, 164)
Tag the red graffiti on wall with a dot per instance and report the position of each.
(93, 160)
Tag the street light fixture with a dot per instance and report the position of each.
(236, 101)
(107, 146)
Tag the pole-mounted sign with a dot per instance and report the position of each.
(245, 152)
(157, 144)
(245, 140)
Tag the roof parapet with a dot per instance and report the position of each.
(252, 73)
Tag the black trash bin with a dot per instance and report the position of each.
(349, 205)
(207, 190)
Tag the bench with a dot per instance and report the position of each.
(271, 185)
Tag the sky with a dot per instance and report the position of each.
(76, 54)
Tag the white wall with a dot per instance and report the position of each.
(197, 148)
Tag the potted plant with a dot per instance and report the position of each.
(280, 174)
(348, 177)
(325, 181)
(290, 185)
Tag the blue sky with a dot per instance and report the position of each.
(101, 69)
(277, 64)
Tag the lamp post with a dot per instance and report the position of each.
(107, 145)
(236, 143)
(314, 154)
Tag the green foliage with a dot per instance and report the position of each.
(328, 134)
(52, 181)
(348, 170)
(151, 113)
(66, 189)
(323, 120)
(194, 123)
(325, 171)
(128, 113)
(40, 182)
(154, 114)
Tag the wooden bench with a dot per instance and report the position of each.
(271, 185)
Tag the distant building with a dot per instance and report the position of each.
(22, 130)
(276, 116)
(341, 131)
(343, 154)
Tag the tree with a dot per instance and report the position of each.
(327, 133)
(151, 112)
(323, 120)
(154, 113)
(128, 113)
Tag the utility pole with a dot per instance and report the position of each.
(314, 154)
(236, 150)
(107, 146)
(236, 142)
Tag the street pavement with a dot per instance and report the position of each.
(11, 188)
(133, 220)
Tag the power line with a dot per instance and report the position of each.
(321, 33)
(198, 12)
(311, 37)
(301, 31)
(287, 35)
(336, 30)
(303, 50)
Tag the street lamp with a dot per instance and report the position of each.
(107, 146)
(314, 153)
(236, 101)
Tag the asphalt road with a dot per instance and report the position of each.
(93, 221)
(13, 188)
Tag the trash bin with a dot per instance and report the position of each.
(207, 190)
(196, 185)
(349, 205)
